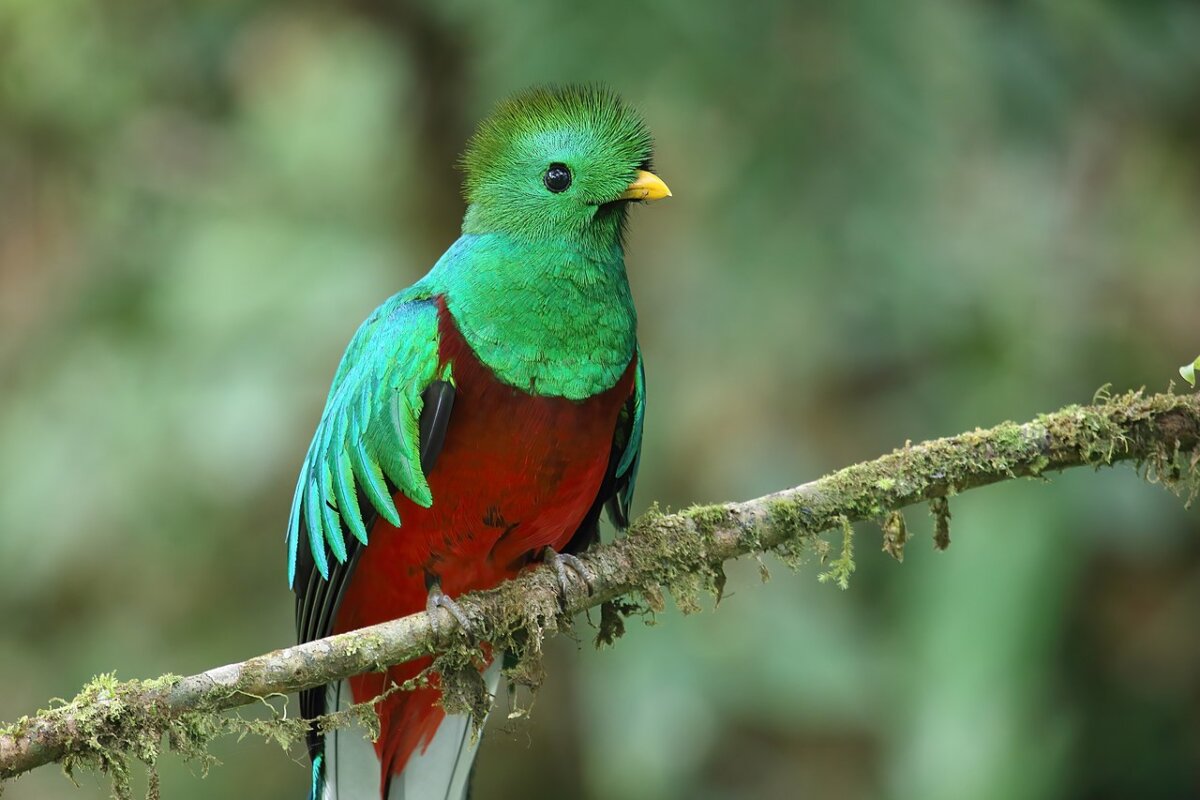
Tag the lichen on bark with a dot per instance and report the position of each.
(111, 723)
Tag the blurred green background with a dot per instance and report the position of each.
(891, 221)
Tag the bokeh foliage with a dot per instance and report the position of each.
(890, 221)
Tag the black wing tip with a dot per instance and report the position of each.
(438, 400)
(617, 513)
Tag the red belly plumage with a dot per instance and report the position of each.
(517, 473)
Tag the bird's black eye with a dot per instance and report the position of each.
(557, 178)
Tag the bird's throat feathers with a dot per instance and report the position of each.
(599, 229)
(552, 317)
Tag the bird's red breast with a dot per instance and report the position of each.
(517, 473)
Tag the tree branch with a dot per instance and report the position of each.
(681, 552)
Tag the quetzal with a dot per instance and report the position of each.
(480, 420)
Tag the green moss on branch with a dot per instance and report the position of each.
(112, 722)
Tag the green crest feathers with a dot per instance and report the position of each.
(566, 120)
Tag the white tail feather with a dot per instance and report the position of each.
(351, 766)
(441, 772)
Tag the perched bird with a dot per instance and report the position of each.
(479, 421)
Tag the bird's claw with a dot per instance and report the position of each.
(564, 564)
(437, 599)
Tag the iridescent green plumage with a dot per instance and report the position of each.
(591, 131)
(536, 285)
(485, 415)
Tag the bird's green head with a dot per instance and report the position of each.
(558, 163)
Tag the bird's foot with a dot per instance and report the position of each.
(438, 600)
(564, 564)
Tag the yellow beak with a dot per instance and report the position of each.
(646, 186)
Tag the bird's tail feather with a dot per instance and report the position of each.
(349, 768)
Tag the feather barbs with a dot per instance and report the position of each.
(369, 434)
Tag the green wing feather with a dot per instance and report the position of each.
(626, 470)
(369, 433)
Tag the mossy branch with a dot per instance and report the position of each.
(682, 552)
